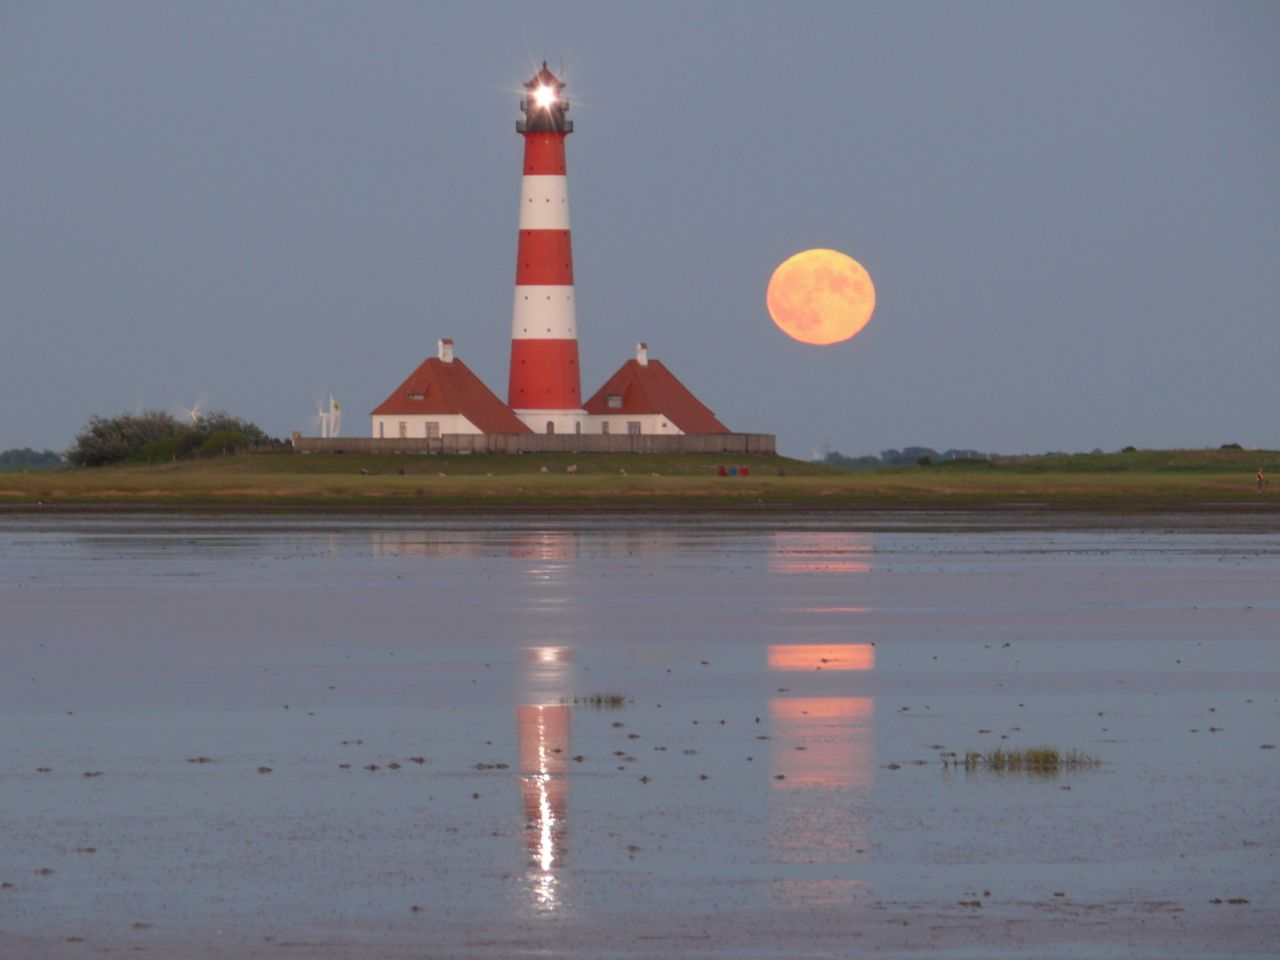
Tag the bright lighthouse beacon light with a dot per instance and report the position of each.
(544, 97)
(543, 106)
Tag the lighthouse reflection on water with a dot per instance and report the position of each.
(543, 732)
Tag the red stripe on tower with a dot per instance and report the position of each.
(544, 258)
(545, 386)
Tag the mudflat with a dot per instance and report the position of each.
(651, 736)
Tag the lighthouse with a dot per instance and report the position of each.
(443, 406)
(545, 390)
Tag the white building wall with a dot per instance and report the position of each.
(566, 421)
(620, 423)
(388, 427)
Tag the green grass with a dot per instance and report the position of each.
(29, 467)
(1143, 481)
(1137, 461)
(497, 464)
(602, 701)
(1029, 760)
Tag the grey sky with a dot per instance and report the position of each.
(1071, 211)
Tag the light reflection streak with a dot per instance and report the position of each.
(823, 761)
(550, 556)
(823, 764)
(836, 735)
(548, 672)
(544, 545)
(549, 656)
(426, 544)
(826, 553)
(822, 656)
(543, 731)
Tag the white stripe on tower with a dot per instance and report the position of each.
(544, 313)
(544, 202)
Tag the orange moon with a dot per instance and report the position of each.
(820, 296)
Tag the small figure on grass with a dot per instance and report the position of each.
(1262, 480)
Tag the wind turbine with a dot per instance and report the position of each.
(195, 412)
(335, 417)
(330, 419)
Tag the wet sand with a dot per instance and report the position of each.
(191, 709)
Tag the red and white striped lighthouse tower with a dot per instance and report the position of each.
(545, 387)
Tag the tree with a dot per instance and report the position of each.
(835, 458)
(219, 421)
(223, 442)
(116, 439)
(907, 456)
(155, 436)
(28, 459)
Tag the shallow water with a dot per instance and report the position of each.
(773, 785)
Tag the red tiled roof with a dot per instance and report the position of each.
(652, 388)
(451, 388)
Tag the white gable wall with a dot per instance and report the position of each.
(620, 423)
(393, 426)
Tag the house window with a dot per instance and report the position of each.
(577, 426)
(404, 429)
(633, 427)
(551, 426)
(415, 396)
(615, 401)
(604, 426)
(382, 430)
(431, 429)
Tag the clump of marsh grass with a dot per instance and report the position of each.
(601, 701)
(1030, 760)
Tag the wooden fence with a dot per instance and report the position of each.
(745, 443)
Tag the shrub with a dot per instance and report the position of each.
(28, 459)
(155, 436)
(219, 421)
(222, 443)
(115, 439)
(166, 449)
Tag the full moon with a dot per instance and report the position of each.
(820, 296)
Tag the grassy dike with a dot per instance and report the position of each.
(1143, 481)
